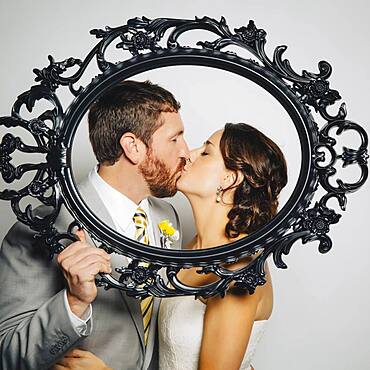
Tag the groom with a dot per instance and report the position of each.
(50, 307)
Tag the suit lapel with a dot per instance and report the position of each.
(94, 202)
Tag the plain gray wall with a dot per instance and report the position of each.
(321, 301)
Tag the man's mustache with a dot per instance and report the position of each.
(181, 165)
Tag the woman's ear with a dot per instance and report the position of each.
(133, 148)
(232, 179)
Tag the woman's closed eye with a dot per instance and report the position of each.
(204, 153)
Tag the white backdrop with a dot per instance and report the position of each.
(321, 301)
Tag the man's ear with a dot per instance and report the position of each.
(133, 148)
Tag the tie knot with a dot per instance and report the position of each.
(140, 218)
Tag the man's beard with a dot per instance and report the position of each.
(158, 176)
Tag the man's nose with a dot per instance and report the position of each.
(185, 152)
(194, 155)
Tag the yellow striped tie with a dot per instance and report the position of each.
(141, 222)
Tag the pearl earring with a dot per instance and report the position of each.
(218, 194)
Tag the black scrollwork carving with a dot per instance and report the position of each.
(50, 76)
(157, 43)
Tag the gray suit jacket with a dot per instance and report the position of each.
(35, 329)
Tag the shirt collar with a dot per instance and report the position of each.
(120, 207)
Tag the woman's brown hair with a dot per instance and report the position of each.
(260, 161)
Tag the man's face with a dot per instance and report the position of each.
(166, 156)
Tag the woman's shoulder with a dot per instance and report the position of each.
(258, 304)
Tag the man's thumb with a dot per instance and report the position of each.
(81, 235)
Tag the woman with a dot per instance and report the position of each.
(232, 183)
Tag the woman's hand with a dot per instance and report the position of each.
(77, 359)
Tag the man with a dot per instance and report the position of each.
(48, 308)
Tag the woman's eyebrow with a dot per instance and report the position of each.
(209, 143)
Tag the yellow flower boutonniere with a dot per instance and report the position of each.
(168, 233)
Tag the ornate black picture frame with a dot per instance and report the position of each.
(155, 44)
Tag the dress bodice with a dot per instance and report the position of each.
(180, 326)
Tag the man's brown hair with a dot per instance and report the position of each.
(130, 106)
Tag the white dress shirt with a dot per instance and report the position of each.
(122, 210)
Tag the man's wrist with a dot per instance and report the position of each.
(77, 306)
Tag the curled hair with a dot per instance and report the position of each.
(261, 163)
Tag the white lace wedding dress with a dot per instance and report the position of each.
(180, 327)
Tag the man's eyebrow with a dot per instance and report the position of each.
(179, 133)
(209, 143)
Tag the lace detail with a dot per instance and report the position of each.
(180, 324)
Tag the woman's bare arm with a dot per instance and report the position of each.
(228, 324)
(191, 276)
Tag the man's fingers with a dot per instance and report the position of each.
(75, 269)
(80, 353)
(76, 353)
(59, 367)
(88, 273)
(80, 257)
(78, 250)
(81, 235)
(68, 354)
(90, 259)
(71, 249)
(63, 363)
(97, 267)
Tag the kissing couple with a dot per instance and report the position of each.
(51, 314)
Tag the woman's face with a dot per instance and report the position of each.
(207, 170)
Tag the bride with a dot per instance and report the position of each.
(232, 183)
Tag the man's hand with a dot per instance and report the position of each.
(80, 263)
(77, 359)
